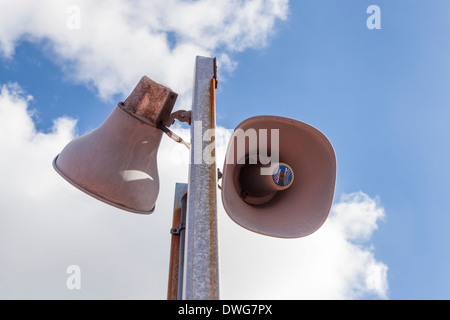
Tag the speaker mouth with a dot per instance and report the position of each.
(256, 188)
(96, 196)
(301, 209)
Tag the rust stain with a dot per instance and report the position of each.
(212, 194)
(150, 101)
(172, 292)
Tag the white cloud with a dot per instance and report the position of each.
(326, 265)
(47, 225)
(119, 41)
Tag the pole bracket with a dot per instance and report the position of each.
(182, 116)
(177, 231)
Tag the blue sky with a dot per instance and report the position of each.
(380, 96)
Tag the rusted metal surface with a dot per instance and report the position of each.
(174, 136)
(201, 275)
(151, 102)
(175, 280)
(117, 162)
(181, 115)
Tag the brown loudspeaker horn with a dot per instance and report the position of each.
(282, 186)
(117, 162)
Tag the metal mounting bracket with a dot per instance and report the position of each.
(182, 116)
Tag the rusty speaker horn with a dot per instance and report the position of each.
(117, 162)
(283, 186)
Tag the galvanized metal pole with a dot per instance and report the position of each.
(201, 269)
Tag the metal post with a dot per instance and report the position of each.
(201, 270)
(182, 247)
(174, 291)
